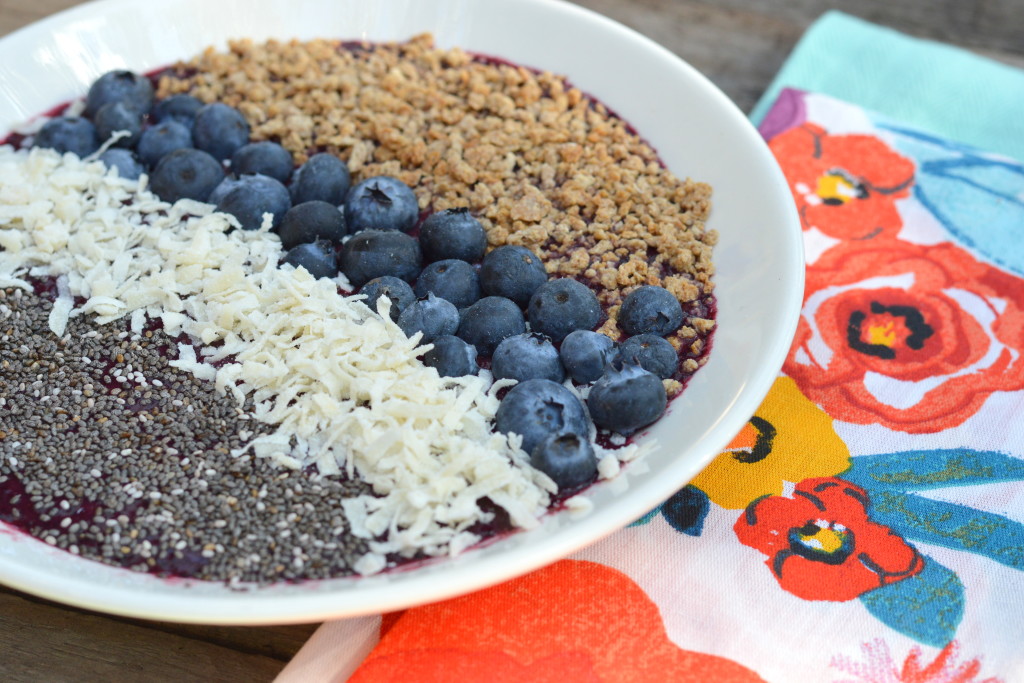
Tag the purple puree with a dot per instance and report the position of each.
(17, 509)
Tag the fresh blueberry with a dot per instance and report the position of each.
(133, 90)
(255, 195)
(186, 174)
(452, 234)
(489, 321)
(68, 134)
(373, 253)
(381, 203)
(432, 316)
(650, 309)
(513, 272)
(161, 139)
(219, 130)
(323, 177)
(538, 408)
(452, 357)
(567, 458)
(560, 306)
(181, 108)
(585, 354)
(124, 162)
(527, 356)
(229, 183)
(117, 116)
(626, 398)
(263, 158)
(316, 257)
(449, 279)
(653, 353)
(398, 291)
(310, 221)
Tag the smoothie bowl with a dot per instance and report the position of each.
(205, 418)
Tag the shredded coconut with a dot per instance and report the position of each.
(341, 383)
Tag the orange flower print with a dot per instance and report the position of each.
(912, 337)
(844, 185)
(822, 546)
(571, 621)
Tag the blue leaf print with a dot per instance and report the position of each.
(927, 607)
(932, 469)
(953, 526)
(978, 198)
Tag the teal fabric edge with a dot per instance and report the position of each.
(932, 86)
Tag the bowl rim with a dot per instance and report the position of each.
(266, 606)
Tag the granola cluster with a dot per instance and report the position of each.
(540, 163)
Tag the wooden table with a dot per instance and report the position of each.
(739, 44)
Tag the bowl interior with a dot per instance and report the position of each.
(697, 131)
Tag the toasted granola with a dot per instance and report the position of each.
(540, 163)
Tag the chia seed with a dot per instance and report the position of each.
(99, 467)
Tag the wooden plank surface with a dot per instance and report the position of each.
(738, 44)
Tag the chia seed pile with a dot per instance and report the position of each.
(110, 453)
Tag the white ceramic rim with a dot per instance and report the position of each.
(130, 594)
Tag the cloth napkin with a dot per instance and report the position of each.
(868, 522)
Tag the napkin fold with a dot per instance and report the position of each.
(868, 523)
(924, 84)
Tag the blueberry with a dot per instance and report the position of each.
(263, 158)
(219, 130)
(527, 356)
(653, 353)
(560, 306)
(323, 177)
(161, 139)
(381, 203)
(513, 272)
(626, 398)
(398, 291)
(432, 316)
(255, 195)
(650, 309)
(117, 116)
(133, 90)
(186, 174)
(489, 321)
(316, 257)
(374, 253)
(229, 183)
(450, 279)
(585, 354)
(539, 408)
(181, 108)
(452, 234)
(310, 221)
(124, 162)
(452, 357)
(68, 134)
(567, 458)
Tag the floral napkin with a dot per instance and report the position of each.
(868, 522)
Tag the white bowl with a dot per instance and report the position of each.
(697, 131)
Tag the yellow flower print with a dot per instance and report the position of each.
(788, 439)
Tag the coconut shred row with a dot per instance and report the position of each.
(341, 384)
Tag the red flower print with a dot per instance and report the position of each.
(844, 185)
(571, 621)
(912, 337)
(822, 546)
